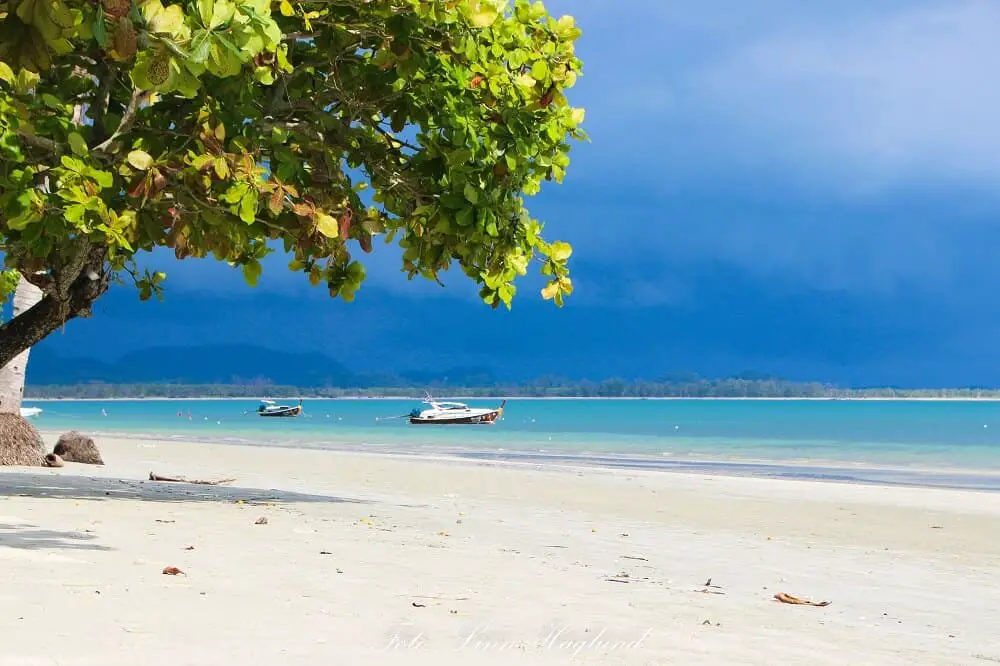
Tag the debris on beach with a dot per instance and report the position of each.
(173, 571)
(636, 557)
(188, 547)
(789, 599)
(709, 588)
(261, 521)
(52, 460)
(417, 604)
(621, 577)
(181, 479)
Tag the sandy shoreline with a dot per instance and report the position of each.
(378, 559)
(818, 469)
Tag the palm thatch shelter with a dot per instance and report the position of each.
(20, 443)
(76, 447)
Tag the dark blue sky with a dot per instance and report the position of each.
(808, 189)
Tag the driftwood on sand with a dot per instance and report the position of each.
(181, 479)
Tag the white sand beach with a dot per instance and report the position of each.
(368, 559)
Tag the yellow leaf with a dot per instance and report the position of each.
(525, 80)
(220, 132)
(6, 73)
(140, 159)
(560, 251)
(577, 115)
(286, 8)
(550, 290)
(326, 224)
(483, 13)
(164, 20)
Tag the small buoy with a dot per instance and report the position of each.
(677, 427)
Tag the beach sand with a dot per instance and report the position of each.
(368, 559)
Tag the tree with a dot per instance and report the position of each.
(26, 296)
(232, 127)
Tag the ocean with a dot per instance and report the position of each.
(946, 443)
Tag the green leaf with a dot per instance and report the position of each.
(6, 73)
(140, 159)
(466, 217)
(77, 144)
(100, 35)
(74, 214)
(251, 272)
(471, 194)
(200, 44)
(248, 207)
(540, 70)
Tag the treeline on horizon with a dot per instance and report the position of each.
(540, 388)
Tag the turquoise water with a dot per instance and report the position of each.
(931, 436)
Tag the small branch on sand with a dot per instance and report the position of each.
(634, 557)
(181, 479)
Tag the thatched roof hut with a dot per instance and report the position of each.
(76, 447)
(20, 443)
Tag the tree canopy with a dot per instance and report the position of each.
(229, 128)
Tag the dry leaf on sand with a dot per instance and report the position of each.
(789, 599)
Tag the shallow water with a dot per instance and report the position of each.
(919, 435)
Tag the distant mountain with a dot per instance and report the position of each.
(231, 364)
(213, 364)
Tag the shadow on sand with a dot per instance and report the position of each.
(32, 537)
(27, 484)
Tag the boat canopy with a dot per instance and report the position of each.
(449, 405)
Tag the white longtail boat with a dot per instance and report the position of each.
(268, 408)
(455, 413)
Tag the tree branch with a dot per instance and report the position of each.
(28, 328)
(40, 142)
(128, 119)
(102, 101)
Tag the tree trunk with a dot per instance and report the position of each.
(69, 292)
(26, 297)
